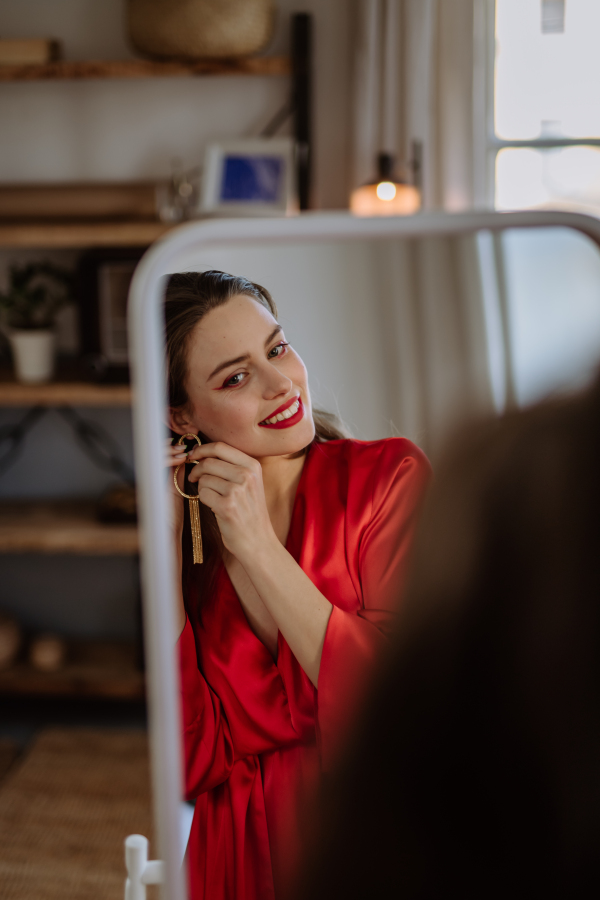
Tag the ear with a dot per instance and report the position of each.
(180, 422)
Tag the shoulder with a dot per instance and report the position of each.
(390, 452)
(374, 467)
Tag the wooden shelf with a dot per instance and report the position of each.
(141, 68)
(62, 527)
(93, 669)
(63, 393)
(81, 234)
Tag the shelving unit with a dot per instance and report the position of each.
(141, 68)
(72, 235)
(94, 669)
(105, 669)
(100, 669)
(62, 526)
(63, 393)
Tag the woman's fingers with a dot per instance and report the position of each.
(209, 497)
(224, 452)
(176, 451)
(213, 466)
(175, 456)
(218, 485)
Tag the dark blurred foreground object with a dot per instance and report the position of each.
(200, 29)
(477, 769)
(29, 52)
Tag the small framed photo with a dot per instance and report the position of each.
(114, 279)
(253, 177)
(104, 276)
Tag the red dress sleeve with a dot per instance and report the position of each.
(355, 640)
(208, 746)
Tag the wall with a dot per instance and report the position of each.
(120, 130)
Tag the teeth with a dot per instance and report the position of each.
(286, 414)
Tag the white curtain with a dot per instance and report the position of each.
(433, 304)
(430, 99)
(434, 326)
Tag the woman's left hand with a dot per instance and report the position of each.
(231, 484)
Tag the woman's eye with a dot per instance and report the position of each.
(278, 350)
(234, 380)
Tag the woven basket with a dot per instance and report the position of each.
(200, 29)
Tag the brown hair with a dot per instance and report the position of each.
(478, 757)
(189, 297)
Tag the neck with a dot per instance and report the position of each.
(281, 475)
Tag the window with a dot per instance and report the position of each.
(544, 115)
(537, 105)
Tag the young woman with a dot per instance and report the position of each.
(306, 537)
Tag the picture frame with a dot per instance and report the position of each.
(103, 279)
(253, 177)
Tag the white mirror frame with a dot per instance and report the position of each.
(146, 342)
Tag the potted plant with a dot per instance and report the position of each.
(36, 292)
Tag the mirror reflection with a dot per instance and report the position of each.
(407, 336)
(276, 356)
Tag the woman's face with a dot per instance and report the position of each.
(241, 375)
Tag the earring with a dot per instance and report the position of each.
(194, 505)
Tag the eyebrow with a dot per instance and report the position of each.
(241, 359)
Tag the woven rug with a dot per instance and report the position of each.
(65, 810)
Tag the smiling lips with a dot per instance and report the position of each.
(287, 415)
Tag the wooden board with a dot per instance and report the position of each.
(141, 68)
(65, 810)
(80, 201)
(81, 234)
(67, 527)
(93, 669)
(63, 393)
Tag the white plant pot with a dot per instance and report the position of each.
(33, 353)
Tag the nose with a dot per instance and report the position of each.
(276, 384)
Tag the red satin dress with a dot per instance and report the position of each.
(256, 732)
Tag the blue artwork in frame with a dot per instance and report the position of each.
(251, 179)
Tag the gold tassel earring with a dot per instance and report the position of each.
(194, 507)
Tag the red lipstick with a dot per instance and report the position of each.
(286, 423)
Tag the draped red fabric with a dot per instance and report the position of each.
(256, 732)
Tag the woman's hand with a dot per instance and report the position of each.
(230, 483)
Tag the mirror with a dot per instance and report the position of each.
(407, 327)
(402, 337)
